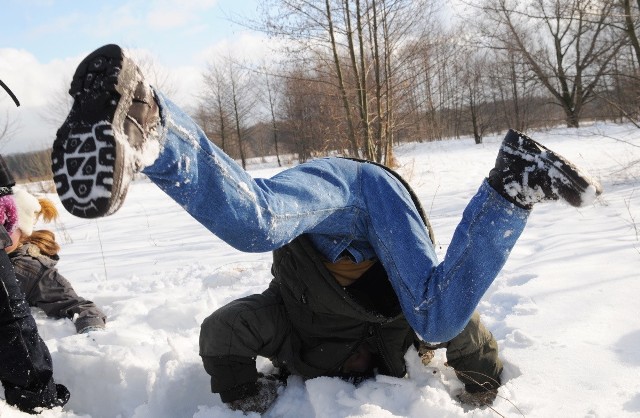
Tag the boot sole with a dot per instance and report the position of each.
(88, 155)
(586, 188)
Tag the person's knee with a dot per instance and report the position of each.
(215, 333)
(473, 336)
(245, 327)
(474, 356)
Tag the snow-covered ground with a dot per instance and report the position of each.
(565, 309)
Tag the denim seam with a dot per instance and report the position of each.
(492, 199)
(404, 287)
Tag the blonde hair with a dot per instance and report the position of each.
(44, 239)
(48, 211)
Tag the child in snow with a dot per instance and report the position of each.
(34, 255)
(26, 371)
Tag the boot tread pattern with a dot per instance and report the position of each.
(84, 151)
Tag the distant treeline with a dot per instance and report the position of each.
(30, 167)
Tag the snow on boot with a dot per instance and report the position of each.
(110, 134)
(526, 172)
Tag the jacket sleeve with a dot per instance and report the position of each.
(473, 354)
(48, 290)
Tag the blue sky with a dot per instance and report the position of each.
(42, 41)
(174, 30)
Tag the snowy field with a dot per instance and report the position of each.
(565, 309)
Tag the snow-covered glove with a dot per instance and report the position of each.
(8, 212)
(426, 354)
(260, 395)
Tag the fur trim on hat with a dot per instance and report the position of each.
(30, 209)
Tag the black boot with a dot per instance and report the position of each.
(31, 402)
(108, 136)
(527, 172)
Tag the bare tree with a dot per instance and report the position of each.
(29, 167)
(353, 141)
(477, 98)
(436, 74)
(514, 85)
(359, 42)
(273, 96)
(8, 124)
(622, 89)
(8, 127)
(631, 13)
(157, 75)
(567, 44)
(214, 113)
(238, 84)
(229, 104)
(58, 105)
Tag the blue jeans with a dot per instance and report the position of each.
(342, 205)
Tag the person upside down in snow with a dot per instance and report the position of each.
(346, 236)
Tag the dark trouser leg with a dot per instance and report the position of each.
(232, 337)
(25, 363)
(474, 356)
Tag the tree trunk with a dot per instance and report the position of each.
(353, 141)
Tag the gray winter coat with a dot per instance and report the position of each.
(45, 288)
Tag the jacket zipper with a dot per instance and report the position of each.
(382, 349)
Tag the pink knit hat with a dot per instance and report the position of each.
(8, 212)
